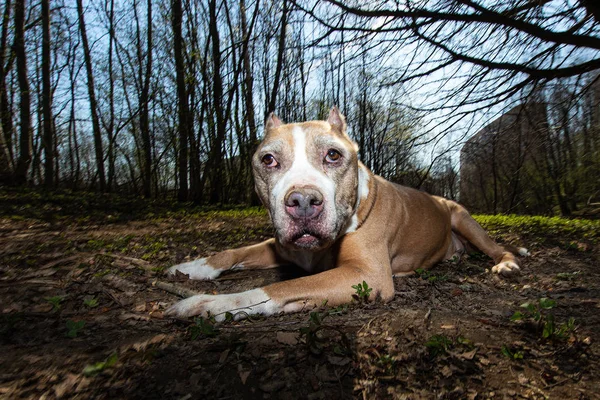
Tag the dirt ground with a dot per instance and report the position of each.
(82, 295)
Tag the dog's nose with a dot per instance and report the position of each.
(304, 203)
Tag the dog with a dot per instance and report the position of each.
(339, 222)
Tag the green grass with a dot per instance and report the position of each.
(83, 207)
(542, 227)
(87, 207)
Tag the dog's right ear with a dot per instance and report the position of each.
(337, 120)
(272, 122)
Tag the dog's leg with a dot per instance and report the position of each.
(333, 286)
(262, 255)
(504, 258)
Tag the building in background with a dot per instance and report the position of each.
(498, 164)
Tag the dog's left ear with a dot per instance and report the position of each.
(337, 120)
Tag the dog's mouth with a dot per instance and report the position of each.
(307, 239)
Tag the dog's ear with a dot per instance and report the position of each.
(272, 122)
(337, 120)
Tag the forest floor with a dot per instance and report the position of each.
(82, 295)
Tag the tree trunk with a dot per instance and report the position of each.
(280, 57)
(144, 109)
(183, 109)
(216, 148)
(24, 160)
(248, 77)
(93, 105)
(110, 131)
(249, 100)
(48, 133)
(6, 127)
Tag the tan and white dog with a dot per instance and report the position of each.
(338, 221)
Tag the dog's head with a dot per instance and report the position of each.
(306, 174)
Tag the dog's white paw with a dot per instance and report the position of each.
(241, 305)
(507, 268)
(198, 269)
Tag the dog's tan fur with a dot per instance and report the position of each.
(388, 229)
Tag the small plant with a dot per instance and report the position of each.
(363, 291)
(93, 369)
(91, 303)
(55, 301)
(538, 314)
(511, 353)
(387, 363)
(310, 332)
(438, 344)
(203, 327)
(74, 327)
(313, 333)
(339, 310)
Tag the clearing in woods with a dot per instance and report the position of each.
(82, 292)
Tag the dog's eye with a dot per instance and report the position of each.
(269, 160)
(333, 156)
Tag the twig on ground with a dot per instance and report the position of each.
(174, 289)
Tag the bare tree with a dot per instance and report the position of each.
(272, 99)
(110, 126)
(469, 55)
(145, 73)
(182, 100)
(92, 97)
(25, 137)
(48, 128)
(6, 126)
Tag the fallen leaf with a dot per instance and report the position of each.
(469, 354)
(290, 338)
(446, 371)
(244, 376)
(224, 356)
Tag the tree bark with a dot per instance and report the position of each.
(6, 127)
(280, 57)
(93, 104)
(216, 148)
(144, 109)
(182, 100)
(48, 132)
(25, 138)
(249, 100)
(110, 131)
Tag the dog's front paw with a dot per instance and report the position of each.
(241, 305)
(198, 269)
(507, 269)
